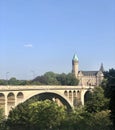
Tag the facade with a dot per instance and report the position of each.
(88, 78)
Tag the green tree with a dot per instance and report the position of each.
(2, 120)
(13, 81)
(101, 121)
(3, 82)
(73, 120)
(97, 101)
(62, 78)
(18, 118)
(42, 115)
(108, 83)
(47, 114)
(80, 119)
(67, 79)
(51, 78)
(71, 79)
(109, 87)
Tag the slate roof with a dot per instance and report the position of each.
(89, 73)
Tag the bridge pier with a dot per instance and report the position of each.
(6, 107)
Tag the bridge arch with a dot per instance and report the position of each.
(2, 97)
(11, 98)
(10, 101)
(54, 96)
(2, 100)
(20, 97)
(87, 95)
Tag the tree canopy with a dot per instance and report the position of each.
(2, 120)
(42, 115)
(96, 101)
(109, 86)
(47, 115)
(49, 78)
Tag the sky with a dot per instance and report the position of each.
(37, 36)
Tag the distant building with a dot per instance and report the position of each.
(93, 78)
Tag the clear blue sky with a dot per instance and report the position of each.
(37, 36)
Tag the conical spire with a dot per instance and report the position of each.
(101, 67)
(75, 58)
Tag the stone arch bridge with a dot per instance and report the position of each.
(71, 96)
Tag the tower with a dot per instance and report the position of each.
(100, 75)
(102, 68)
(75, 65)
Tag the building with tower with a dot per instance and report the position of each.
(93, 78)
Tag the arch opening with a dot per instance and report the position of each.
(2, 98)
(87, 96)
(10, 101)
(53, 97)
(20, 97)
(2, 101)
(65, 93)
(70, 95)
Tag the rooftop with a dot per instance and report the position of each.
(75, 58)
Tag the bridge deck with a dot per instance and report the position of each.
(43, 87)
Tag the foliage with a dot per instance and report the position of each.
(109, 86)
(50, 78)
(47, 115)
(97, 101)
(14, 81)
(80, 119)
(1, 115)
(77, 120)
(19, 118)
(67, 79)
(37, 115)
(2, 120)
(112, 107)
(109, 82)
(101, 121)
(3, 82)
